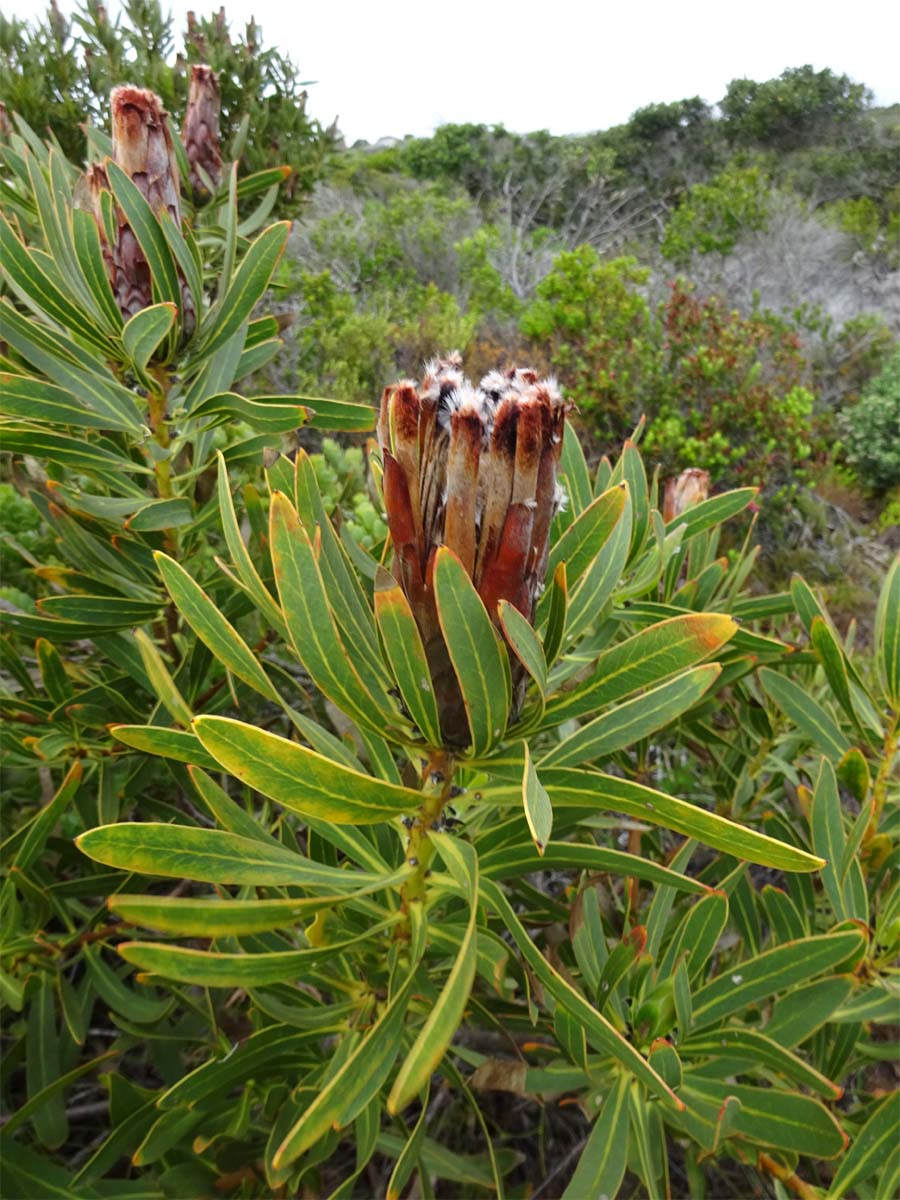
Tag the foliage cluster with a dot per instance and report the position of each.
(57, 74)
(263, 930)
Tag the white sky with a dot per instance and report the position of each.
(394, 67)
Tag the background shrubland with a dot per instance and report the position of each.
(262, 934)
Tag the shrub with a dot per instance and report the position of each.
(872, 429)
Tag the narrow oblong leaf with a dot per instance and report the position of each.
(181, 745)
(209, 968)
(806, 713)
(246, 288)
(446, 1016)
(406, 655)
(213, 629)
(887, 634)
(581, 542)
(601, 1166)
(536, 802)
(635, 719)
(644, 660)
(524, 643)
(773, 971)
(215, 918)
(597, 1029)
(144, 332)
(352, 1087)
(475, 651)
(211, 856)
(301, 779)
(869, 1149)
(712, 512)
(594, 790)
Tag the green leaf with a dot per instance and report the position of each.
(597, 1029)
(161, 681)
(806, 713)
(601, 1166)
(144, 332)
(644, 660)
(594, 791)
(209, 968)
(344, 416)
(538, 809)
(345, 678)
(89, 252)
(72, 368)
(588, 598)
(748, 1045)
(212, 628)
(510, 861)
(870, 1148)
(32, 281)
(447, 1013)
(782, 1120)
(574, 471)
(77, 454)
(143, 1009)
(105, 612)
(636, 719)
(211, 856)
(406, 655)
(246, 288)
(583, 540)
(557, 613)
(712, 512)
(46, 820)
(827, 828)
(147, 230)
(475, 650)
(49, 1120)
(524, 642)
(249, 576)
(161, 515)
(36, 400)
(300, 779)
(351, 1088)
(805, 1009)
(887, 635)
(217, 918)
(773, 971)
(181, 745)
(266, 414)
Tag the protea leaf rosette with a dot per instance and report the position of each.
(200, 132)
(473, 469)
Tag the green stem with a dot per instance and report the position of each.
(879, 790)
(437, 783)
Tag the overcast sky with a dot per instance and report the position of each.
(394, 67)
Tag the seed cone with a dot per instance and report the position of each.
(200, 132)
(473, 469)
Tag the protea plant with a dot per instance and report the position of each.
(475, 470)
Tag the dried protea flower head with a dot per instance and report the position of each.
(142, 147)
(200, 132)
(690, 487)
(475, 470)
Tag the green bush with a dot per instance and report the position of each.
(872, 430)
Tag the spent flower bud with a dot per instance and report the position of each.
(473, 469)
(200, 132)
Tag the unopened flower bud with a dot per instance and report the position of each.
(682, 493)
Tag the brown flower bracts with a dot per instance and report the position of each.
(142, 148)
(475, 470)
(201, 130)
